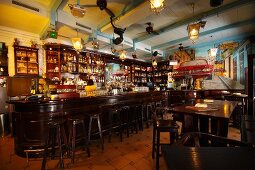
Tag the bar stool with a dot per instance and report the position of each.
(115, 114)
(132, 119)
(163, 126)
(139, 116)
(150, 111)
(126, 123)
(56, 130)
(95, 116)
(74, 121)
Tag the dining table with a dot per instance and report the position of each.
(243, 98)
(217, 112)
(208, 158)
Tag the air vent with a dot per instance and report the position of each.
(83, 26)
(25, 6)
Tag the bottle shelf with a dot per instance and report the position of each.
(26, 60)
(68, 61)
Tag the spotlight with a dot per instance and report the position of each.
(117, 40)
(118, 31)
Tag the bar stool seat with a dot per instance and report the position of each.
(95, 116)
(163, 126)
(75, 121)
(56, 130)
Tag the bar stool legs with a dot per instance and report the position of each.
(118, 114)
(162, 126)
(72, 136)
(56, 129)
(91, 118)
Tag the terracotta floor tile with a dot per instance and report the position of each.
(129, 167)
(143, 164)
(133, 153)
(119, 162)
(133, 156)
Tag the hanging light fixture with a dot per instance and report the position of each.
(193, 29)
(154, 63)
(77, 43)
(213, 51)
(123, 55)
(77, 10)
(95, 44)
(157, 5)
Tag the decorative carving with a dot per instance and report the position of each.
(33, 44)
(16, 42)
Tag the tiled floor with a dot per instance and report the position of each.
(133, 153)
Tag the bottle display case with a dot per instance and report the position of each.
(68, 62)
(160, 74)
(26, 60)
(128, 73)
(63, 62)
(96, 66)
(141, 74)
(53, 63)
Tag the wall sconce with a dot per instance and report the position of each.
(157, 5)
(193, 31)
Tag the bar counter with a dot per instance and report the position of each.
(30, 118)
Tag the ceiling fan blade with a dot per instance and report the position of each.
(136, 26)
(142, 33)
(171, 47)
(109, 12)
(87, 6)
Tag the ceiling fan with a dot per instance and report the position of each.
(149, 29)
(181, 47)
(102, 4)
(202, 23)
